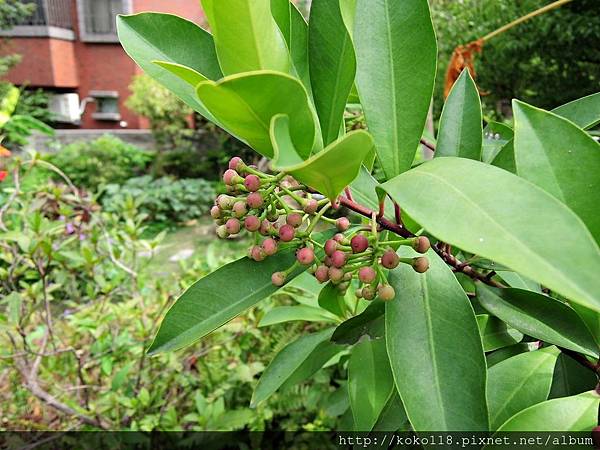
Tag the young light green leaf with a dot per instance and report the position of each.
(495, 334)
(246, 36)
(579, 413)
(149, 37)
(190, 76)
(431, 332)
(246, 103)
(332, 300)
(519, 281)
(519, 382)
(370, 383)
(477, 214)
(288, 363)
(461, 130)
(330, 170)
(495, 136)
(583, 112)
(332, 65)
(294, 28)
(571, 378)
(396, 54)
(550, 152)
(282, 314)
(539, 316)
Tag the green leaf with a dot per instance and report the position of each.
(330, 170)
(579, 413)
(435, 349)
(518, 383)
(393, 417)
(14, 302)
(519, 281)
(246, 103)
(508, 352)
(289, 361)
(495, 137)
(461, 130)
(571, 378)
(190, 76)
(539, 316)
(332, 65)
(148, 37)
(370, 383)
(282, 314)
(246, 36)
(396, 54)
(8, 103)
(497, 215)
(583, 112)
(332, 300)
(550, 152)
(495, 334)
(505, 159)
(294, 28)
(363, 190)
(216, 299)
(370, 322)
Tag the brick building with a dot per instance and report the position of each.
(70, 48)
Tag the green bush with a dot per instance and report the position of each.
(162, 199)
(102, 161)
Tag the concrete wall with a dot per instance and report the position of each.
(44, 144)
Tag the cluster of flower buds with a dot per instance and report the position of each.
(278, 210)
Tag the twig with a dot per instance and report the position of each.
(581, 360)
(428, 144)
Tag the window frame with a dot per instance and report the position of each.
(85, 36)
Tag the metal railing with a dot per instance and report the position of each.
(52, 13)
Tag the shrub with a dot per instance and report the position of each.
(496, 239)
(163, 199)
(105, 160)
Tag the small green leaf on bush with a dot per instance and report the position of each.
(332, 300)
(477, 214)
(495, 334)
(539, 316)
(187, 74)
(332, 65)
(560, 158)
(519, 382)
(370, 322)
(370, 383)
(461, 132)
(495, 136)
(282, 314)
(430, 331)
(246, 103)
(579, 413)
(571, 378)
(330, 170)
(396, 55)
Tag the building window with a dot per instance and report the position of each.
(50, 18)
(107, 105)
(97, 19)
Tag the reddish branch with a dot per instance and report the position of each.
(399, 229)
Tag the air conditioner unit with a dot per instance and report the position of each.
(65, 108)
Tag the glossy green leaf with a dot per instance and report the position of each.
(495, 137)
(503, 354)
(282, 314)
(583, 112)
(591, 319)
(246, 103)
(516, 280)
(579, 413)
(461, 129)
(294, 28)
(497, 215)
(370, 383)
(149, 37)
(363, 190)
(290, 360)
(330, 170)
(519, 382)
(393, 417)
(435, 349)
(332, 300)
(247, 37)
(496, 334)
(396, 54)
(571, 378)
(505, 159)
(368, 323)
(539, 316)
(332, 65)
(560, 158)
(190, 76)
